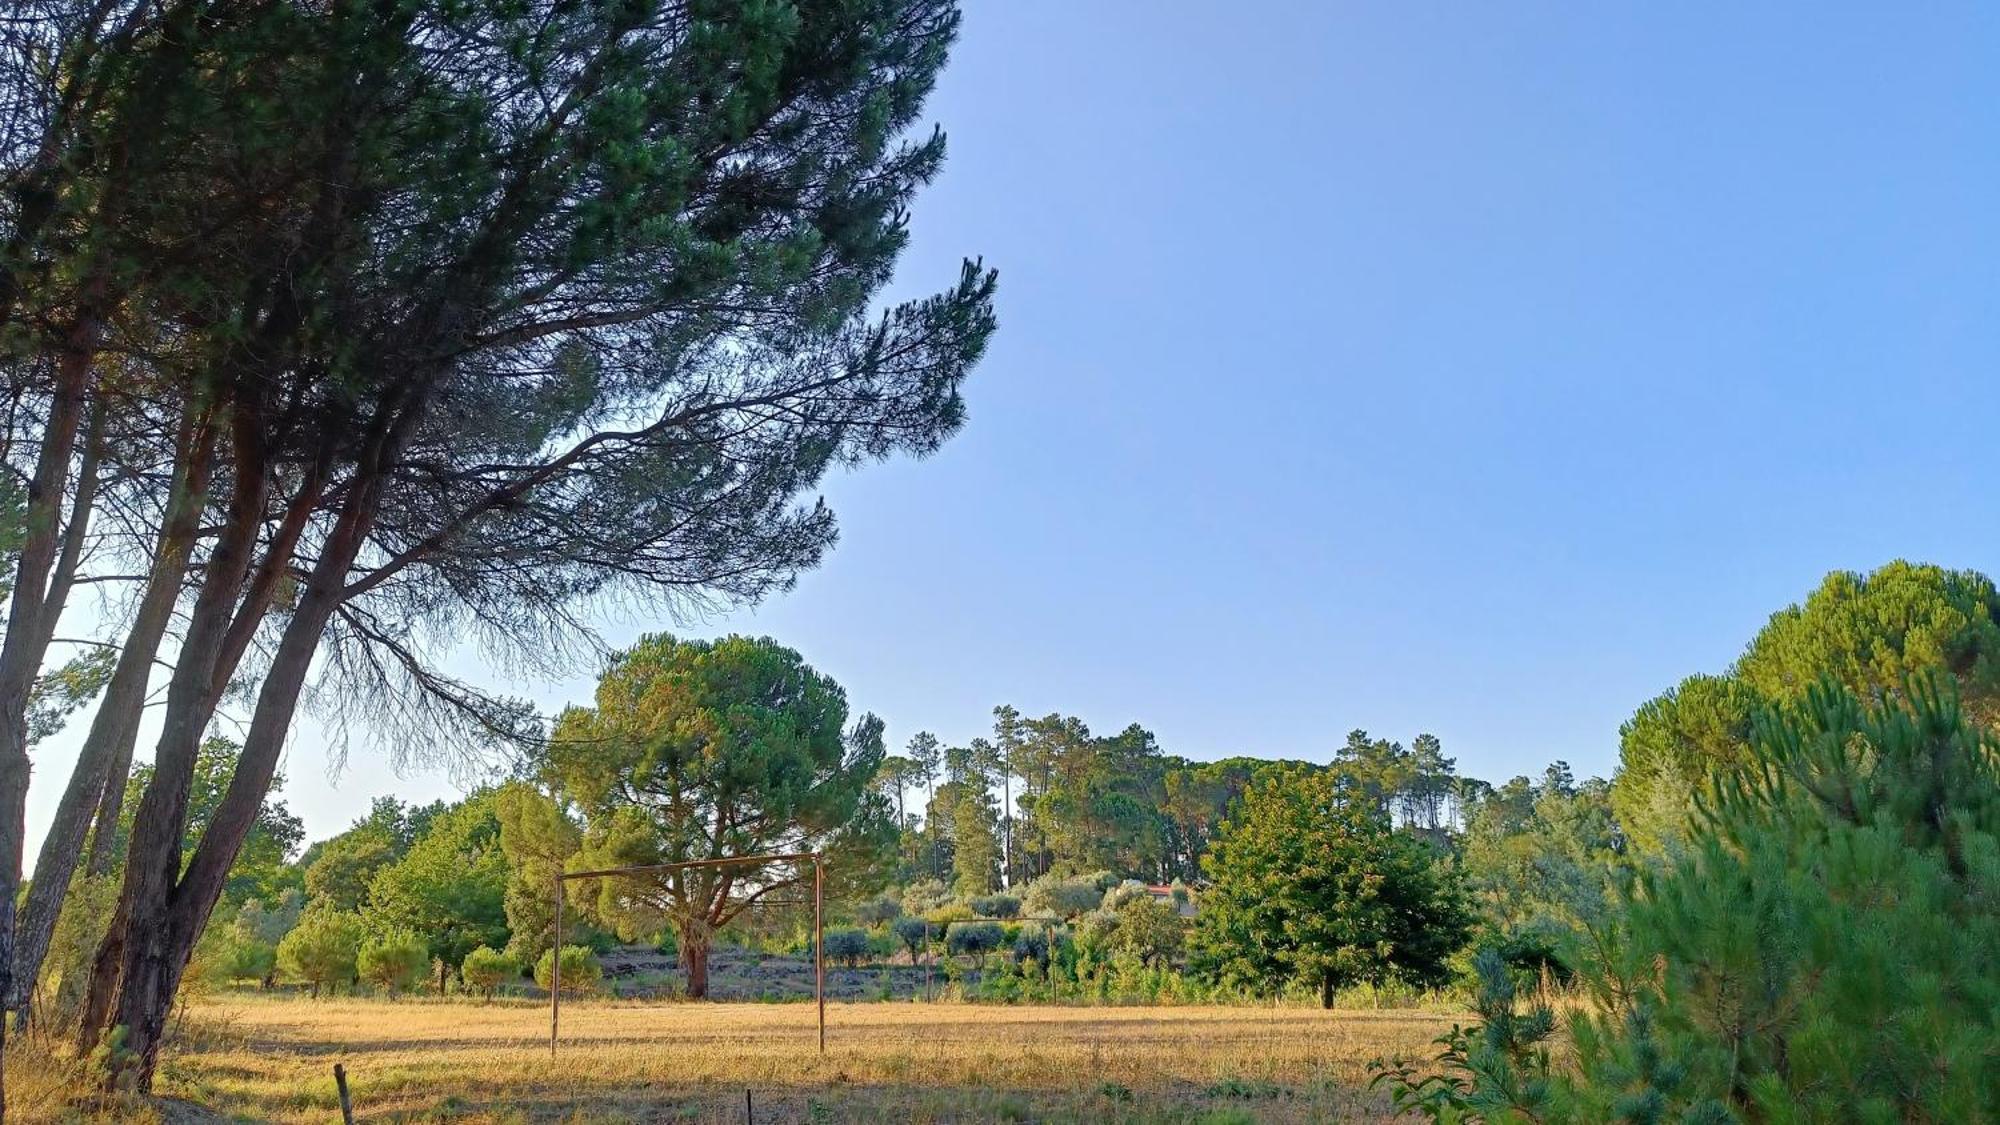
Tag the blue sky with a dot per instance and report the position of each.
(1473, 369)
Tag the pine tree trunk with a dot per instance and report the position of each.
(694, 958)
(107, 751)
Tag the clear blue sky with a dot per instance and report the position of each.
(1476, 369)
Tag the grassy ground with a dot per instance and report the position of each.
(271, 1059)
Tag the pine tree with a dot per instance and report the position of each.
(1824, 950)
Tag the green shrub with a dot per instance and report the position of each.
(847, 946)
(322, 948)
(925, 895)
(248, 959)
(996, 906)
(581, 971)
(1064, 896)
(395, 961)
(486, 969)
(878, 911)
(976, 938)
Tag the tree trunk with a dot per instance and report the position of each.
(26, 642)
(1326, 990)
(107, 751)
(694, 942)
(153, 861)
(155, 958)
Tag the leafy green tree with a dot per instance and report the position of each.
(1311, 882)
(486, 969)
(1151, 929)
(976, 852)
(878, 911)
(1065, 896)
(321, 950)
(847, 946)
(1196, 798)
(342, 868)
(393, 961)
(450, 886)
(1543, 861)
(914, 932)
(538, 838)
(975, 938)
(580, 315)
(995, 906)
(705, 750)
(581, 970)
(1099, 806)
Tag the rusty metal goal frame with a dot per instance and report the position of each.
(819, 923)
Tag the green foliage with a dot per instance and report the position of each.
(1311, 882)
(1669, 750)
(914, 933)
(1065, 896)
(263, 868)
(342, 868)
(486, 969)
(847, 946)
(537, 838)
(1150, 929)
(393, 961)
(1822, 949)
(1542, 861)
(734, 747)
(878, 911)
(86, 913)
(581, 971)
(1867, 632)
(974, 938)
(925, 896)
(450, 885)
(966, 809)
(995, 906)
(321, 950)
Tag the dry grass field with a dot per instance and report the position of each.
(256, 1059)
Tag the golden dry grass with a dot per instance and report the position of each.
(271, 1059)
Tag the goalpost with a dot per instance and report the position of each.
(819, 923)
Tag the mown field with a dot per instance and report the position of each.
(250, 1058)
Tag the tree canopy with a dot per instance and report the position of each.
(702, 750)
(1310, 881)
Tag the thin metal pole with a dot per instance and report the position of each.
(819, 946)
(555, 971)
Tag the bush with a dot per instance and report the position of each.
(486, 969)
(1064, 896)
(847, 946)
(914, 933)
(925, 895)
(996, 906)
(322, 948)
(248, 959)
(581, 971)
(394, 961)
(977, 938)
(878, 911)
(1131, 890)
